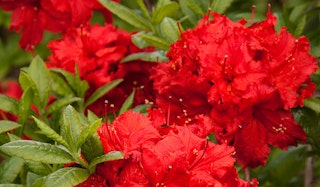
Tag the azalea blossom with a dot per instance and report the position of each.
(97, 52)
(33, 17)
(179, 158)
(238, 76)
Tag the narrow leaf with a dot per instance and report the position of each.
(61, 103)
(169, 29)
(92, 147)
(71, 126)
(127, 104)
(10, 169)
(143, 8)
(59, 85)
(38, 167)
(88, 132)
(156, 56)
(37, 151)
(113, 155)
(221, 6)
(6, 125)
(24, 105)
(26, 81)
(9, 104)
(49, 132)
(102, 91)
(41, 77)
(92, 116)
(155, 41)
(312, 103)
(31, 177)
(127, 15)
(188, 12)
(194, 7)
(66, 177)
(168, 10)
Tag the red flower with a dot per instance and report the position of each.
(97, 51)
(128, 133)
(33, 17)
(240, 78)
(93, 180)
(183, 159)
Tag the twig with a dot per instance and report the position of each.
(247, 174)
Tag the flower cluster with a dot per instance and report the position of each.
(33, 17)
(179, 158)
(223, 79)
(245, 79)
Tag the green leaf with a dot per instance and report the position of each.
(37, 151)
(26, 82)
(61, 103)
(113, 155)
(300, 26)
(13, 137)
(66, 177)
(127, 15)
(220, 6)
(41, 77)
(59, 85)
(24, 105)
(71, 127)
(155, 41)
(139, 42)
(312, 103)
(141, 108)
(10, 169)
(156, 56)
(143, 8)
(188, 12)
(78, 86)
(31, 177)
(102, 91)
(9, 104)
(169, 9)
(50, 133)
(38, 167)
(92, 147)
(194, 7)
(11, 185)
(88, 132)
(92, 116)
(169, 29)
(127, 103)
(6, 125)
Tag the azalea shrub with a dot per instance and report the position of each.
(159, 93)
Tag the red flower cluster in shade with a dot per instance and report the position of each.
(246, 79)
(179, 158)
(33, 17)
(97, 51)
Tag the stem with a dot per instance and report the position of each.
(247, 174)
(308, 173)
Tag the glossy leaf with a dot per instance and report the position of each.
(10, 169)
(127, 103)
(113, 155)
(26, 82)
(66, 177)
(88, 132)
(127, 15)
(39, 167)
(71, 127)
(92, 148)
(312, 103)
(155, 41)
(31, 177)
(102, 91)
(221, 6)
(59, 85)
(168, 9)
(156, 56)
(41, 77)
(24, 105)
(49, 132)
(6, 125)
(194, 7)
(61, 103)
(9, 104)
(36, 151)
(169, 29)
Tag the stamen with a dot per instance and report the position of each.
(252, 13)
